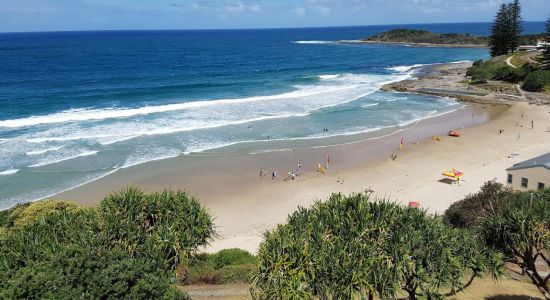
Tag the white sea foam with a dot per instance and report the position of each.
(329, 76)
(148, 155)
(37, 152)
(313, 42)
(370, 104)
(431, 114)
(9, 172)
(332, 90)
(54, 161)
(403, 69)
(198, 115)
(110, 113)
(460, 61)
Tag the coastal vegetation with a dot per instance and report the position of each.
(516, 224)
(350, 245)
(427, 37)
(521, 231)
(506, 29)
(224, 267)
(128, 248)
(531, 76)
(424, 37)
(475, 208)
(142, 246)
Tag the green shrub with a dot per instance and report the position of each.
(233, 256)
(27, 213)
(237, 273)
(9, 216)
(477, 75)
(536, 81)
(80, 272)
(509, 74)
(501, 73)
(474, 208)
(522, 232)
(478, 63)
(39, 209)
(166, 226)
(225, 266)
(349, 245)
(124, 250)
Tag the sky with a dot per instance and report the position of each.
(63, 15)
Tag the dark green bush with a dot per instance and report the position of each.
(78, 272)
(478, 63)
(474, 208)
(509, 74)
(477, 75)
(521, 231)
(124, 250)
(536, 81)
(501, 73)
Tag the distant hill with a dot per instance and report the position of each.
(427, 37)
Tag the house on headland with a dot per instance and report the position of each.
(532, 174)
(540, 46)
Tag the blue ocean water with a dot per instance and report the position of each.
(75, 106)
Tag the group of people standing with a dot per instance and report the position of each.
(291, 175)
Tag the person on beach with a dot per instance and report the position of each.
(532, 124)
(273, 174)
(299, 166)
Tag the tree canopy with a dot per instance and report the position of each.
(128, 248)
(350, 245)
(506, 29)
(522, 232)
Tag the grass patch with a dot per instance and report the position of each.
(517, 59)
(496, 68)
(224, 267)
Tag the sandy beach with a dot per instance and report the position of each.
(245, 205)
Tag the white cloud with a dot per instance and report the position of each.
(322, 9)
(299, 11)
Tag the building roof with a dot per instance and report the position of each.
(539, 161)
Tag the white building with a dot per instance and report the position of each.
(532, 174)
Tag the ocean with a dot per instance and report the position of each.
(75, 106)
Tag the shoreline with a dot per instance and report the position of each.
(244, 205)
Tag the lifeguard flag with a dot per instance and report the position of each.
(401, 144)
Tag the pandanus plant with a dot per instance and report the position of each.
(166, 225)
(350, 246)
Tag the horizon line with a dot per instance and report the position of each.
(250, 28)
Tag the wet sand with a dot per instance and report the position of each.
(245, 205)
